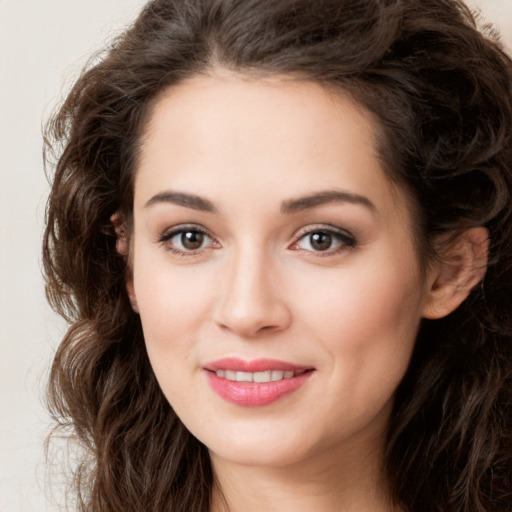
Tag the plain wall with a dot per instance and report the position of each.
(43, 44)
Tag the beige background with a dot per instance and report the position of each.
(43, 44)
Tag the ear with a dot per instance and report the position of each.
(122, 238)
(122, 247)
(130, 289)
(461, 267)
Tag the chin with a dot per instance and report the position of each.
(268, 446)
(266, 455)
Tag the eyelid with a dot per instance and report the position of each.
(169, 232)
(166, 235)
(349, 240)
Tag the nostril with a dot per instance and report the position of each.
(269, 328)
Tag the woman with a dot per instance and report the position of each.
(281, 234)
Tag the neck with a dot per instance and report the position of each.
(339, 480)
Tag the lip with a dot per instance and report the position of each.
(256, 365)
(255, 394)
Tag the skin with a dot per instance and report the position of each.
(258, 287)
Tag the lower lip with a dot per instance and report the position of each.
(255, 394)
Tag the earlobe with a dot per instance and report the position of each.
(130, 289)
(122, 247)
(459, 270)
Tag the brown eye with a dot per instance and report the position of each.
(187, 241)
(328, 241)
(320, 241)
(192, 240)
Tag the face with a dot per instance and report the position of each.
(274, 269)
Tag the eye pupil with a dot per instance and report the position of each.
(321, 241)
(192, 239)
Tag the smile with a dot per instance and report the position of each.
(267, 376)
(255, 383)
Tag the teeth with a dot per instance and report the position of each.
(261, 376)
(277, 375)
(243, 377)
(268, 376)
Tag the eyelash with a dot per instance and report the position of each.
(343, 238)
(167, 236)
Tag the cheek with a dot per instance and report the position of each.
(365, 323)
(173, 302)
(170, 314)
(170, 293)
(369, 314)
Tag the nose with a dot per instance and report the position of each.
(252, 300)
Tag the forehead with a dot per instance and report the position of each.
(206, 105)
(261, 137)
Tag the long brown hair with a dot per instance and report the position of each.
(442, 93)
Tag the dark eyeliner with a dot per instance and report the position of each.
(348, 241)
(169, 233)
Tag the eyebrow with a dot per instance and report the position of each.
(325, 197)
(289, 206)
(183, 199)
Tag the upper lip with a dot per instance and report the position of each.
(256, 365)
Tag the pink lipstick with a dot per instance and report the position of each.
(255, 383)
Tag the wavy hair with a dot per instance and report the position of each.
(441, 91)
